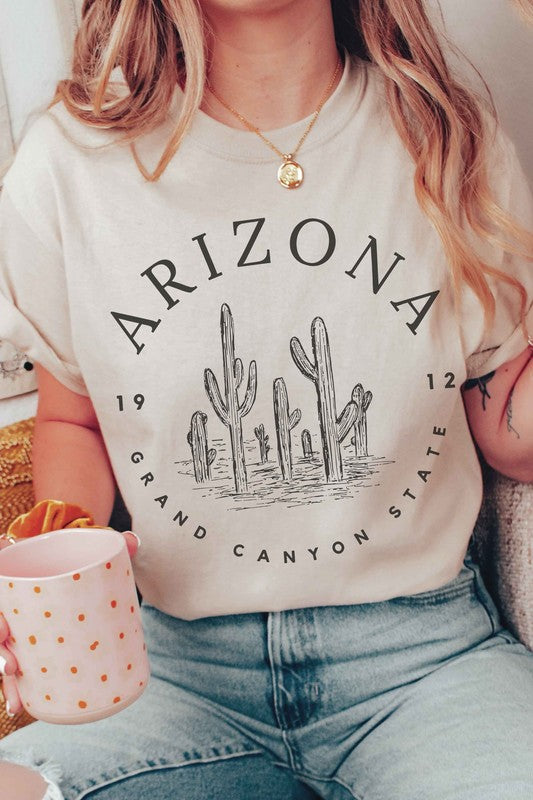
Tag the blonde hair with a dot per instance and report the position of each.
(443, 125)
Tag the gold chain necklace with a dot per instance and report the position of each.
(290, 172)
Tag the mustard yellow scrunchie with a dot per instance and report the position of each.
(50, 515)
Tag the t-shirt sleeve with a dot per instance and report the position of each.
(34, 301)
(505, 338)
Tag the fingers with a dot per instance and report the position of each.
(8, 668)
(8, 662)
(132, 541)
(5, 543)
(4, 628)
(11, 694)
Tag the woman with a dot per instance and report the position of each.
(277, 337)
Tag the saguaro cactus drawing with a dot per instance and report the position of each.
(306, 444)
(232, 410)
(262, 438)
(285, 422)
(333, 429)
(202, 456)
(362, 400)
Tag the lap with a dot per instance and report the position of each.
(419, 698)
(463, 731)
(165, 735)
(241, 778)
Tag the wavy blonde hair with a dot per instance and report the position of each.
(442, 123)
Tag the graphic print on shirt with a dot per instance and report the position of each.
(308, 467)
(284, 395)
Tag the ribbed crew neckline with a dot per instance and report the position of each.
(242, 145)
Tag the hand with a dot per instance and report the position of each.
(132, 542)
(8, 663)
(8, 668)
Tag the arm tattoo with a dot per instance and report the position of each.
(481, 384)
(509, 413)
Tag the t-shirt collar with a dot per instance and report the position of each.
(243, 145)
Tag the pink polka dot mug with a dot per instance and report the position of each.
(70, 601)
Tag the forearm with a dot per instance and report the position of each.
(518, 417)
(70, 463)
(501, 418)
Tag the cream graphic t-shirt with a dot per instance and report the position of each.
(276, 373)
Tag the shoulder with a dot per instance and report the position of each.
(30, 162)
(500, 149)
(506, 175)
(50, 137)
(51, 144)
(368, 78)
(371, 111)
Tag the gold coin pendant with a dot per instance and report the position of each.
(290, 174)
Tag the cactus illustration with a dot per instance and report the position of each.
(231, 411)
(362, 400)
(285, 422)
(306, 444)
(333, 429)
(202, 456)
(262, 438)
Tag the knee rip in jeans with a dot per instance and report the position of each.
(48, 770)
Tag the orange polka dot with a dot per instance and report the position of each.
(116, 699)
(43, 669)
(108, 565)
(47, 697)
(81, 617)
(47, 614)
(15, 611)
(82, 704)
(94, 645)
(132, 609)
(103, 678)
(129, 666)
(121, 635)
(32, 639)
(76, 576)
(10, 584)
(113, 603)
(73, 670)
(37, 589)
(141, 683)
(60, 639)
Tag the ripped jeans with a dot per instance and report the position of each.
(422, 697)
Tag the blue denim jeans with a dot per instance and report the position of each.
(423, 697)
